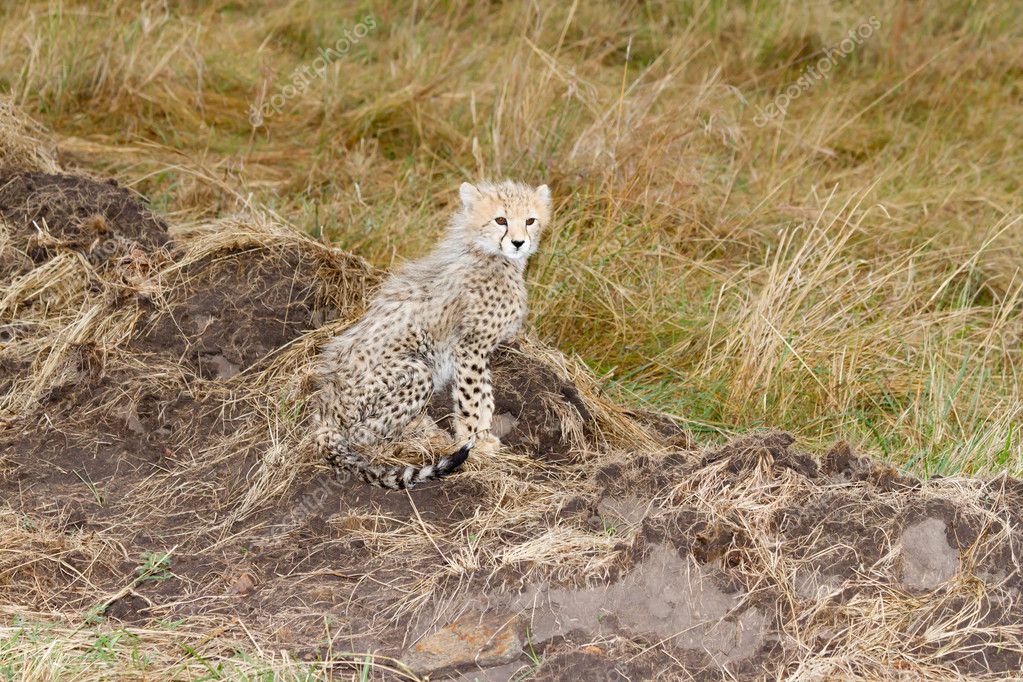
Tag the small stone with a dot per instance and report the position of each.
(503, 424)
(134, 423)
(222, 367)
(472, 640)
(927, 559)
(243, 584)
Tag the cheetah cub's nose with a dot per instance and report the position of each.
(517, 243)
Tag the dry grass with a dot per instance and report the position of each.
(881, 632)
(69, 307)
(35, 649)
(848, 269)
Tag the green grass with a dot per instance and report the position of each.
(36, 649)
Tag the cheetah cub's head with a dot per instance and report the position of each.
(504, 219)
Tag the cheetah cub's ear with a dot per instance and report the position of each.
(470, 195)
(543, 192)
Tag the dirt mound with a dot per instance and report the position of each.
(173, 428)
(228, 312)
(49, 213)
(153, 448)
(752, 558)
(536, 411)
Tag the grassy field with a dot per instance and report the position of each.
(746, 235)
(768, 214)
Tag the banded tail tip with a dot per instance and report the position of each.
(451, 462)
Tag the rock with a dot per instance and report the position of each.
(503, 424)
(472, 640)
(927, 558)
(221, 367)
(243, 584)
(663, 597)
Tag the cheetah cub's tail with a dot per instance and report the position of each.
(398, 477)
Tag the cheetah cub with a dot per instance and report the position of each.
(434, 322)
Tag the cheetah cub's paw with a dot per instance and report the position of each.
(483, 442)
(486, 443)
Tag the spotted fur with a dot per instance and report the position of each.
(434, 323)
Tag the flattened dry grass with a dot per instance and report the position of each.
(35, 648)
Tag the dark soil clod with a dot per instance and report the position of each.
(97, 219)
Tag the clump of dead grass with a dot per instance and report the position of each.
(24, 143)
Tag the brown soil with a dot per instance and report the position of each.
(51, 213)
(187, 437)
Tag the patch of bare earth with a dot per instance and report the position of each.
(152, 407)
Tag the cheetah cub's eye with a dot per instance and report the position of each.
(530, 221)
(501, 221)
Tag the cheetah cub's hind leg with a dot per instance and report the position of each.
(375, 413)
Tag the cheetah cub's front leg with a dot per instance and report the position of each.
(473, 398)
